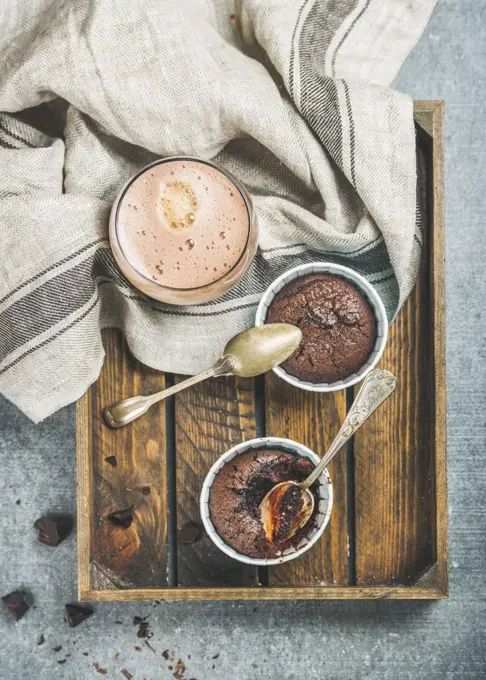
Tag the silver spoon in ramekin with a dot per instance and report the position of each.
(289, 505)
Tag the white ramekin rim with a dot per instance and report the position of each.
(369, 292)
(325, 503)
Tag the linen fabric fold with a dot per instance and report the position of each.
(292, 97)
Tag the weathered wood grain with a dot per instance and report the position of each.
(393, 458)
(210, 418)
(313, 420)
(272, 593)
(135, 556)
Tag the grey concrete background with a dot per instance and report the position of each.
(302, 639)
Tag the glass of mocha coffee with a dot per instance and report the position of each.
(183, 230)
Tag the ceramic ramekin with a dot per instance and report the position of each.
(370, 294)
(322, 517)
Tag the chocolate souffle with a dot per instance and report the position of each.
(337, 322)
(238, 489)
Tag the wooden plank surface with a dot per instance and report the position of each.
(134, 556)
(210, 418)
(313, 420)
(393, 459)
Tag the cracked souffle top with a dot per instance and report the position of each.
(337, 322)
(239, 488)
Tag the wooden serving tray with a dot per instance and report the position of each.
(387, 536)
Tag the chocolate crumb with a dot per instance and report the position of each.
(61, 661)
(101, 671)
(67, 655)
(76, 614)
(118, 622)
(85, 654)
(190, 533)
(145, 490)
(111, 460)
(16, 604)
(170, 668)
(216, 656)
(53, 529)
(139, 619)
(165, 654)
(18, 501)
(139, 649)
(57, 649)
(143, 627)
(122, 518)
(180, 670)
(41, 639)
(127, 674)
(117, 655)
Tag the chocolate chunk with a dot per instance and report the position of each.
(143, 631)
(41, 639)
(111, 460)
(180, 670)
(16, 604)
(122, 518)
(127, 674)
(76, 614)
(143, 626)
(53, 529)
(191, 532)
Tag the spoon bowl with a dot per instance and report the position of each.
(285, 509)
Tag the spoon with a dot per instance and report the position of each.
(249, 353)
(289, 505)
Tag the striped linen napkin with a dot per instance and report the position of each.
(290, 96)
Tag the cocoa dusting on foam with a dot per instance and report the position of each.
(239, 488)
(183, 224)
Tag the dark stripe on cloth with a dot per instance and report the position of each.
(52, 267)
(351, 132)
(17, 137)
(48, 340)
(60, 297)
(319, 99)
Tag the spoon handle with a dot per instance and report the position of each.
(377, 386)
(123, 412)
